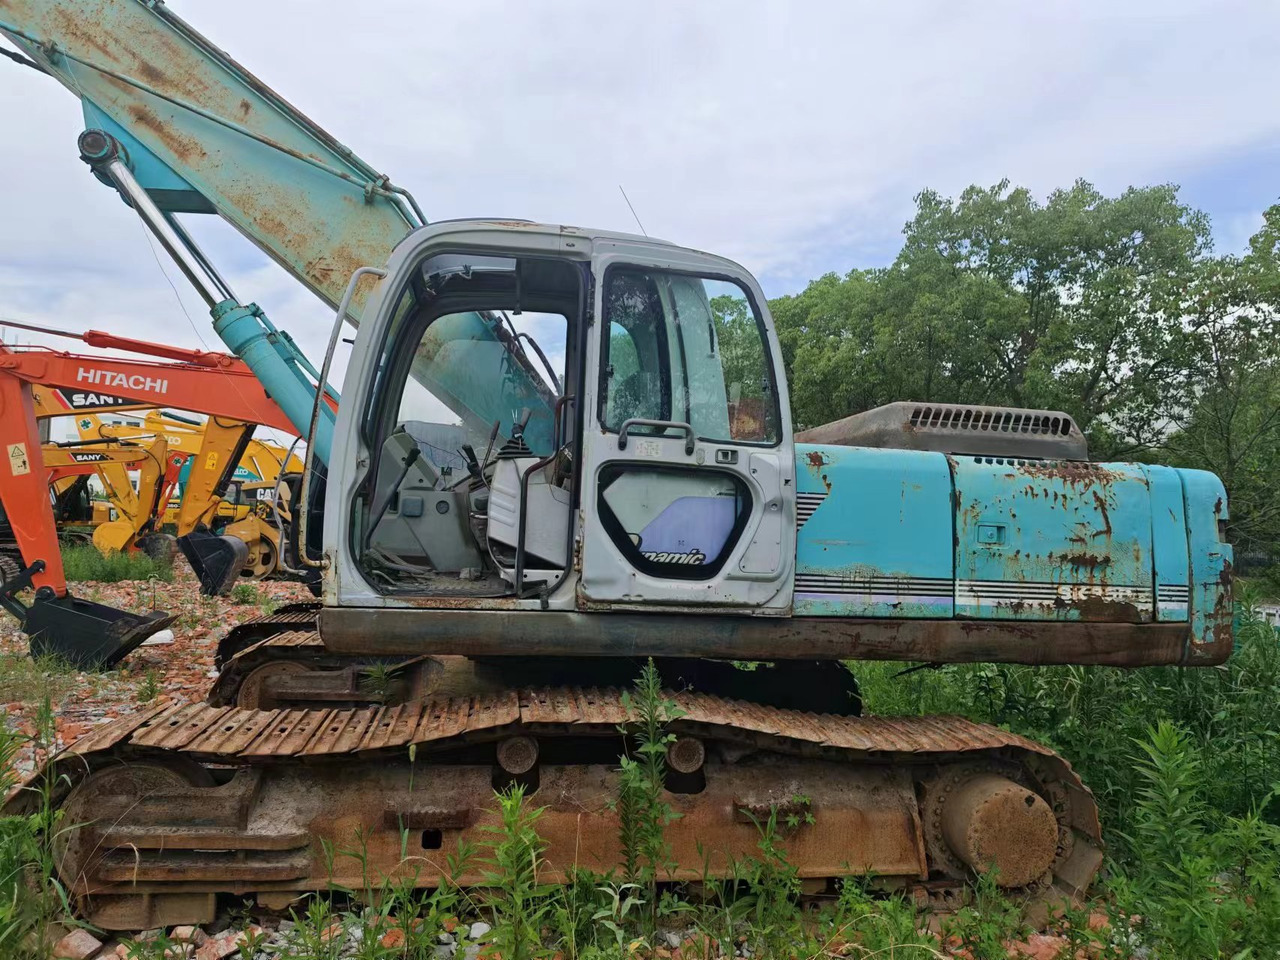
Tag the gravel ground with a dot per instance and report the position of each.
(178, 671)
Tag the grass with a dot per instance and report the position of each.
(30, 680)
(1184, 762)
(84, 562)
(247, 593)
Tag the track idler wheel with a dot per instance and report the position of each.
(78, 844)
(989, 822)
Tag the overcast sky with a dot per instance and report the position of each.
(790, 137)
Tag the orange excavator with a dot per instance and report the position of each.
(198, 381)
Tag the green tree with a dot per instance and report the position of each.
(1077, 303)
(1232, 426)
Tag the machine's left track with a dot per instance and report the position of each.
(165, 811)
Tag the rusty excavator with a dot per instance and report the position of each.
(559, 453)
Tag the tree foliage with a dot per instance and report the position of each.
(1113, 309)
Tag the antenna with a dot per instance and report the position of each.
(633, 211)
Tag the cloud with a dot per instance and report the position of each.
(789, 137)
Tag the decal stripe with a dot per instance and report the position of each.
(879, 586)
(977, 591)
(1171, 597)
(887, 599)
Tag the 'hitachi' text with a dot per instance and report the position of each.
(122, 381)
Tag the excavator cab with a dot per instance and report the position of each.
(475, 374)
(520, 389)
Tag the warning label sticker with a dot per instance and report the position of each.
(19, 465)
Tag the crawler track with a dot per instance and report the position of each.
(176, 806)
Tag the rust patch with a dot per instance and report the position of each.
(245, 107)
(464, 603)
(1226, 576)
(74, 28)
(1100, 609)
(151, 73)
(186, 149)
(1101, 502)
(816, 460)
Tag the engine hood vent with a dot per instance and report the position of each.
(958, 428)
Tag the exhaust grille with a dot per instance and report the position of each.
(994, 420)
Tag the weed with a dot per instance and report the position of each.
(773, 884)
(149, 689)
(519, 902)
(317, 932)
(983, 926)
(1208, 884)
(642, 813)
(862, 926)
(377, 679)
(84, 562)
(246, 593)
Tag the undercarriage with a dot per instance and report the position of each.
(174, 807)
(396, 762)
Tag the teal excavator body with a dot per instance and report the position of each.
(178, 127)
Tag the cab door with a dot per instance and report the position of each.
(688, 466)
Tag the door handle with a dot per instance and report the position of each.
(665, 424)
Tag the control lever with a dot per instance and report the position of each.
(517, 430)
(473, 465)
(410, 459)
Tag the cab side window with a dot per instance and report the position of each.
(689, 349)
(637, 381)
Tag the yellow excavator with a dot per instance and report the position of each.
(261, 466)
(254, 512)
(137, 520)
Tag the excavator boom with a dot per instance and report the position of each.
(87, 382)
(203, 135)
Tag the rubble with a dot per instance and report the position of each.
(227, 943)
(76, 945)
(176, 672)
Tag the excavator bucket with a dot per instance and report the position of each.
(87, 634)
(216, 560)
